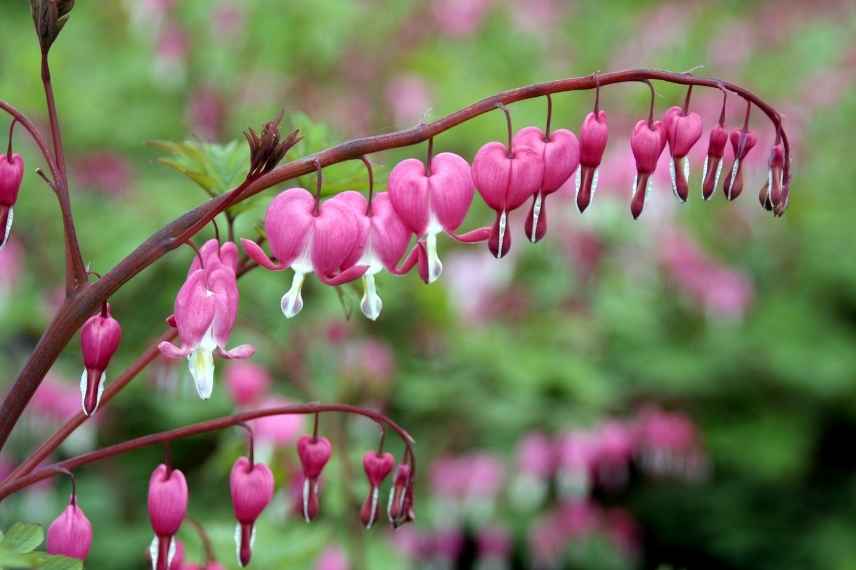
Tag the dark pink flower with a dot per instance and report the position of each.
(70, 534)
(431, 200)
(277, 430)
(458, 18)
(647, 143)
(205, 311)
(377, 466)
(167, 504)
(310, 236)
(742, 142)
(577, 452)
(713, 163)
(314, 452)
(11, 175)
(99, 338)
(614, 443)
(384, 239)
(594, 134)
(506, 178)
(252, 488)
(774, 194)
(105, 171)
(536, 456)
(683, 129)
(400, 507)
(206, 113)
(247, 383)
(669, 443)
(560, 156)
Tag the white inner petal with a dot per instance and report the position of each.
(435, 266)
(238, 543)
(674, 178)
(536, 213)
(9, 220)
(594, 180)
(371, 304)
(733, 177)
(101, 384)
(503, 222)
(375, 493)
(704, 177)
(292, 302)
(306, 500)
(153, 553)
(718, 174)
(201, 364)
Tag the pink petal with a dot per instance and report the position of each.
(171, 351)
(194, 308)
(389, 235)
(408, 192)
(223, 284)
(239, 352)
(257, 254)
(451, 189)
(335, 235)
(350, 274)
(287, 223)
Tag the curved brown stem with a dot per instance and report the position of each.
(73, 313)
(165, 437)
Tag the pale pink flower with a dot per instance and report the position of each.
(206, 113)
(409, 99)
(458, 18)
(106, 172)
(247, 383)
(332, 558)
(279, 430)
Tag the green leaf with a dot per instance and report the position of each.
(215, 168)
(23, 537)
(13, 560)
(43, 561)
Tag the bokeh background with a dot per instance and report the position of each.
(678, 391)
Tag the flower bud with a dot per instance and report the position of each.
(11, 175)
(99, 339)
(70, 534)
(742, 142)
(400, 508)
(252, 488)
(377, 466)
(314, 452)
(713, 163)
(647, 143)
(594, 133)
(775, 179)
(683, 129)
(167, 503)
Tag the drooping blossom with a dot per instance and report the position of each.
(70, 534)
(167, 504)
(560, 156)
(382, 242)
(742, 141)
(594, 134)
(431, 200)
(713, 162)
(252, 487)
(683, 129)
(205, 311)
(400, 506)
(377, 466)
(647, 143)
(247, 383)
(314, 453)
(310, 236)
(99, 338)
(11, 175)
(774, 194)
(506, 177)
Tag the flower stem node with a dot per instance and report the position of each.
(314, 453)
(167, 503)
(99, 339)
(252, 488)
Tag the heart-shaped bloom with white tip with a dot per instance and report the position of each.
(309, 236)
(205, 311)
(385, 239)
(431, 201)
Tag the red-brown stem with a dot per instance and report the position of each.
(371, 184)
(75, 273)
(651, 106)
(508, 127)
(724, 102)
(251, 444)
(34, 133)
(686, 108)
(746, 117)
(15, 485)
(74, 311)
(549, 117)
(430, 156)
(11, 133)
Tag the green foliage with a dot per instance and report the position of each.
(18, 544)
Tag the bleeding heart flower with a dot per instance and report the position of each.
(252, 488)
(99, 339)
(772, 195)
(385, 241)
(430, 201)
(247, 383)
(70, 534)
(11, 175)
(377, 466)
(314, 452)
(167, 504)
(683, 129)
(400, 508)
(713, 163)
(560, 155)
(742, 142)
(310, 236)
(506, 178)
(594, 134)
(205, 311)
(647, 142)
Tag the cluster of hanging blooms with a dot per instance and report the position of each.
(205, 311)
(99, 339)
(348, 236)
(11, 175)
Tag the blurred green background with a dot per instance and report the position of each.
(741, 326)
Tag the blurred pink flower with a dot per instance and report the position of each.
(664, 26)
(409, 98)
(474, 279)
(494, 542)
(620, 527)
(465, 477)
(614, 445)
(576, 454)
(247, 383)
(369, 365)
(669, 444)
(206, 113)
(458, 18)
(448, 544)
(55, 400)
(536, 16)
(718, 290)
(332, 558)
(280, 431)
(171, 51)
(550, 536)
(536, 456)
(732, 45)
(228, 19)
(104, 171)
(414, 543)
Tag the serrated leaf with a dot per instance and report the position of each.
(23, 537)
(215, 168)
(43, 561)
